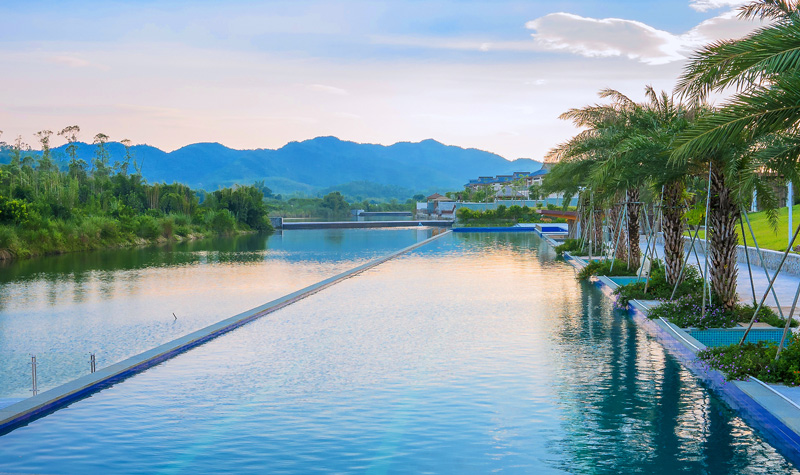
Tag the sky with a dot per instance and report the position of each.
(493, 75)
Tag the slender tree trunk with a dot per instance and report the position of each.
(618, 234)
(634, 250)
(674, 227)
(722, 238)
(598, 231)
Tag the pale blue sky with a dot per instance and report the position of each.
(492, 74)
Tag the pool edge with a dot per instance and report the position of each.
(776, 421)
(36, 407)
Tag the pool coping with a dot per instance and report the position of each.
(47, 402)
(490, 229)
(775, 416)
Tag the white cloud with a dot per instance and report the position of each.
(606, 37)
(457, 44)
(328, 89)
(705, 5)
(71, 61)
(610, 37)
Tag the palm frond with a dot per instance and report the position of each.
(759, 56)
(756, 113)
(618, 97)
(767, 9)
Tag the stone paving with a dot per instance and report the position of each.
(785, 286)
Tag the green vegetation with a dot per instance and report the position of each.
(658, 287)
(686, 312)
(45, 209)
(769, 236)
(573, 246)
(502, 216)
(366, 191)
(758, 360)
(332, 206)
(604, 268)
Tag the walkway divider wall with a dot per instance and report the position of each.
(771, 258)
(38, 406)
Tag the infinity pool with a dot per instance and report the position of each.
(121, 302)
(475, 353)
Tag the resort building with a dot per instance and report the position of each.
(515, 180)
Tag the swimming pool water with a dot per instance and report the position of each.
(119, 303)
(473, 354)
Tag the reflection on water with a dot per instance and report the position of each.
(474, 354)
(120, 302)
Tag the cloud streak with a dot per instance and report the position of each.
(616, 37)
(328, 89)
(706, 5)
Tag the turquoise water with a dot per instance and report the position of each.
(121, 302)
(729, 336)
(476, 353)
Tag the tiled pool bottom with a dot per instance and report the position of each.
(729, 336)
(477, 353)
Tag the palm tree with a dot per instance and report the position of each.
(579, 157)
(753, 131)
(643, 161)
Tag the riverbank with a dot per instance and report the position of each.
(53, 237)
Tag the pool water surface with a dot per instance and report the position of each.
(475, 353)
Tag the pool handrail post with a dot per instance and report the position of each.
(771, 283)
(761, 260)
(685, 261)
(705, 254)
(788, 323)
(747, 257)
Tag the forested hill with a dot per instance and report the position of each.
(313, 165)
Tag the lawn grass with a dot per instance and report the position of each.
(767, 236)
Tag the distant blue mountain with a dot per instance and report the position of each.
(316, 164)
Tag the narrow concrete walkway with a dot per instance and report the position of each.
(785, 286)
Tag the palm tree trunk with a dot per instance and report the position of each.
(722, 238)
(597, 222)
(617, 233)
(634, 250)
(674, 227)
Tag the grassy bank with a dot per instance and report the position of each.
(52, 236)
(767, 236)
(502, 217)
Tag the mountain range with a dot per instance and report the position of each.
(315, 165)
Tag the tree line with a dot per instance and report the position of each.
(677, 156)
(89, 203)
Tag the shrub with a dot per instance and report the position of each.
(757, 359)
(222, 221)
(658, 287)
(182, 219)
(573, 246)
(148, 227)
(12, 211)
(604, 268)
(500, 212)
(687, 312)
(183, 230)
(109, 229)
(167, 227)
